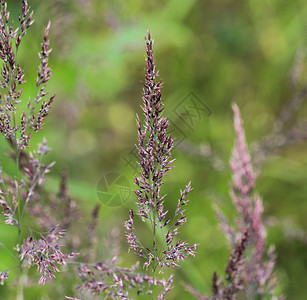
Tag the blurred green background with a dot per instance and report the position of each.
(249, 52)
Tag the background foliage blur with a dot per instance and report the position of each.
(249, 52)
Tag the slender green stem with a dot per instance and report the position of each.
(18, 202)
(153, 283)
(22, 276)
(21, 285)
(18, 187)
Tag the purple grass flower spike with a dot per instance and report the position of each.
(257, 272)
(12, 79)
(250, 269)
(154, 147)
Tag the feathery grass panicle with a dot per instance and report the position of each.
(154, 147)
(257, 271)
(249, 270)
(12, 78)
(16, 192)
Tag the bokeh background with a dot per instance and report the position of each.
(218, 52)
